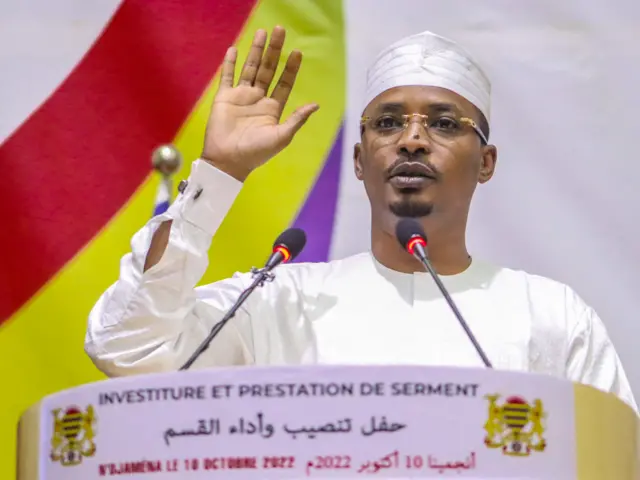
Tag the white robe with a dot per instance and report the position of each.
(349, 311)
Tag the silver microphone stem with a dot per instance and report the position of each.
(420, 253)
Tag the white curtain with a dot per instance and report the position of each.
(566, 120)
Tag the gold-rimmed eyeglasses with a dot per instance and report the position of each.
(441, 126)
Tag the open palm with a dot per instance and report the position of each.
(244, 129)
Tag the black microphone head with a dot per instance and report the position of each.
(293, 240)
(408, 229)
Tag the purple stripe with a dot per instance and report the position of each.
(317, 215)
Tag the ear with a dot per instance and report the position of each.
(488, 166)
(357, 161)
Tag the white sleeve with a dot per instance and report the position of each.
(592, 358)
(152, 321)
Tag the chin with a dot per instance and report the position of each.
(415, 203)
(411, 208)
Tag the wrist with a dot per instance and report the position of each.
(236, 171)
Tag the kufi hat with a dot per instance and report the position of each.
(430, 60)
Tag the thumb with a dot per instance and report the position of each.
(297, 119)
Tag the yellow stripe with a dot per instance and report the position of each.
(42, 345)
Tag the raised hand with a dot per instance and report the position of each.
(244, 129)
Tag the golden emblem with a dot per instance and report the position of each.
(73, 434)
(515, 426)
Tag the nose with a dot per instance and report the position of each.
(414, 140)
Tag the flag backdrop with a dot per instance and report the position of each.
(90, 89)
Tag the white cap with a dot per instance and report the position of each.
(429, 60)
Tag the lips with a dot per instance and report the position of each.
(419, 170)
(411, 176)
(409, 183)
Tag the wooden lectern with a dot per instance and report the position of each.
(330, 421)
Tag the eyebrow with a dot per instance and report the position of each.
(390, 107)
(444, 107)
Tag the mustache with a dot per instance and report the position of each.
(413, 160)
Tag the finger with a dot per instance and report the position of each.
(296, 120)
(252, 63)
(287, 79)
(269, 63)
(228, 68)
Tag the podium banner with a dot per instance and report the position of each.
(323, 422)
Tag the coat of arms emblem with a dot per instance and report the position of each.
(73, 435)
(515, 426)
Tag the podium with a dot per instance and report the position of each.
(330, 421)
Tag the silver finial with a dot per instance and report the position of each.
(166, 159)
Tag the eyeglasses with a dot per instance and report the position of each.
(439, 127)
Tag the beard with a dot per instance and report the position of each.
(407, 208)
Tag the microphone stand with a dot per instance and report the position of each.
(421, 255)
(261, 276)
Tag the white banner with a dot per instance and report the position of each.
(321, 422)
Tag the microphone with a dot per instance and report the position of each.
(411, 236)
(286, 247)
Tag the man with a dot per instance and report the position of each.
(424, 149)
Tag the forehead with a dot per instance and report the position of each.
(419, 99)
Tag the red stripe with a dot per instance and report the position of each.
(77, 160)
